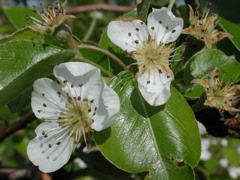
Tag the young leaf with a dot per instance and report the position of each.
(163, 141)
(229, 17)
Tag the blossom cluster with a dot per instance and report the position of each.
(82, 103)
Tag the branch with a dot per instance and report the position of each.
(99, 7)
(19, 124)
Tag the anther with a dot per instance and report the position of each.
(168, 76)
(44, 105)
(59, 93)
(80, 85)
(136, 41)
(160, 22)
(79, 98)
(45, 136)
(129, 34)
(72, 86)
(50, 146)
(137, 29)
(43, 133)
(152, 28)
(89, 110)
(148, 82)
(173, 31)
(43, 94)
(141, 23)
(92, 101)
(65, 81)
(167, 27)
(58, 143)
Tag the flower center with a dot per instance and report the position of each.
(152, 56)
(223, 94)
(77, 118)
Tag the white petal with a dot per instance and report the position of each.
(127, 34)
(81, 78)
(46, 99)
(155, 87)
(164, 26)
(109, 106)
(45, 153)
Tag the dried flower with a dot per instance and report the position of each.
(219, 95)
(51, 17)
(203, 27)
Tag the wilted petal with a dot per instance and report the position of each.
(164, 26)
(51, 148)
(155, 87)
(127, 33)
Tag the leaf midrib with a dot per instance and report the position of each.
(151, 130)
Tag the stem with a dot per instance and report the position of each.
(91, 28)
(199, 105)
(96, 65)
(170, 5)
(142, 8)
(19, 124)
(115, 58)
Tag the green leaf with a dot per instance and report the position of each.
(23, 34)
(20, 102)
(18, 15)
(229, 17)
(201, 64)
(162, 140)
(21, 63)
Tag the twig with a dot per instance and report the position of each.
(99, 7)
(19, 124)
(115, 58)
(82, 59)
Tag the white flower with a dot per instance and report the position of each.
(70, 111)
(234, 172)
(148, 45)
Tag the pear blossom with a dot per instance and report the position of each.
(70, 111)
(203, 27)
(51, 17)
(149, 46)
(219, 95)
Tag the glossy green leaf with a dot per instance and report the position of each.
(163, 141)
(21, 63)
(229, 17)
(201, 65)
(25, 34)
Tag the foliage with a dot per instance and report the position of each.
(144, 142)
